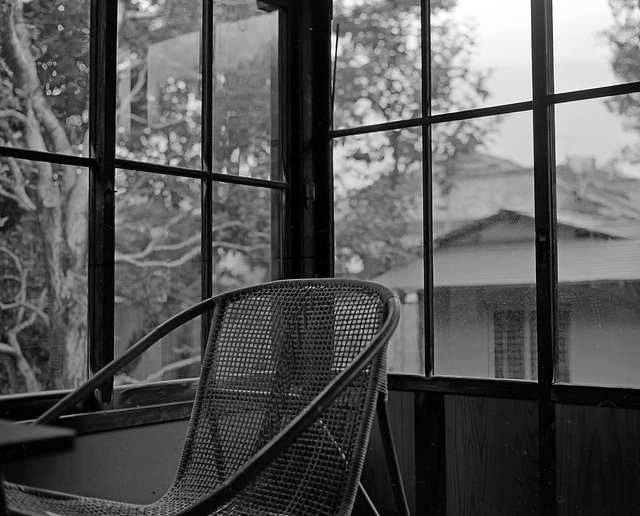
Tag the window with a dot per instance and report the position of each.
(515, 349)
(485, 160)
(512, 345)
(141, 169)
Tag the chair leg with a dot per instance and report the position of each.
(367, 501)
(397, 485)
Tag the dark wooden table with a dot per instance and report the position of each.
(19, 440)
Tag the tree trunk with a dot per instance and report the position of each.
(62, 203)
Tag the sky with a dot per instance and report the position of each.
(581, 61)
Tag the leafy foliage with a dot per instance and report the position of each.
(623, 41)
(378, 76)
(44, 77)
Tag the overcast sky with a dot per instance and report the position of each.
(581, 61)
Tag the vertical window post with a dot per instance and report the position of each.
(546, 244)
(102, 133)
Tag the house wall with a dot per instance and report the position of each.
(604, 343)
(603, 337)
(405, 354)
(462, 333)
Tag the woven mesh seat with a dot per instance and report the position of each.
(291, 377)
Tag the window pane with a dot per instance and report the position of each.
(599, 240)
(45, 76)
(483, 257)
(245, 96)
(243, 220)
(378, 228)
(599, 47)
(158, 271)
(159, 95)
(43, 280)
(378, 68)
(480, 58)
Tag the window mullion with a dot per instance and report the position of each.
(546, 244)
(427, 186)
(207, 159)
(314, 189)
(102, 133)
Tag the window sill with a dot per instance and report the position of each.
(117, 419)
(133, 405)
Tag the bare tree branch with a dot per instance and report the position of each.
(7, 349)
(19, 187)
(181, 245)
(239, 247)
(28, 373)
(12, 113)
(192, 253)
(126, 379)
(33, 308)
(157, 234)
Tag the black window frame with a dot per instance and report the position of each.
(551, 390)
(170, 400)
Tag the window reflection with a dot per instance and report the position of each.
(599, 241)
(242, 234)
(159, 93)
(378, 67)
(594, 47)
(483, 257)
(158, 271)
(378, 227)
(245, 95)
(480, 59)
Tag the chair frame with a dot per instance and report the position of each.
(264, 457)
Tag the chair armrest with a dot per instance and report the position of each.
(103, 375)
(276, 446)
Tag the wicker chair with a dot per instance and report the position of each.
(291, 378)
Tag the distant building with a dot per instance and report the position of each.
(484, 281)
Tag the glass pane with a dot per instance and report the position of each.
(44, 76)
(480, 54)
(483, 258)
(245, 96)
(379, 63)
(598, 48)
(598, 178)
(43, 280)
(598, 456)
(243, 222)
(159, 95)
(378, 228)
(158, 271)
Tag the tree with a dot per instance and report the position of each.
(44, 67)
(378, 78)
(623, 41)
(50, 201)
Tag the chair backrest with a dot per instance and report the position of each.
(272, 349)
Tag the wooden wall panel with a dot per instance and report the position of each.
(374, 475)
(598, 461)
(492, 460)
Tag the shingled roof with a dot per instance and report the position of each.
(599, 250)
